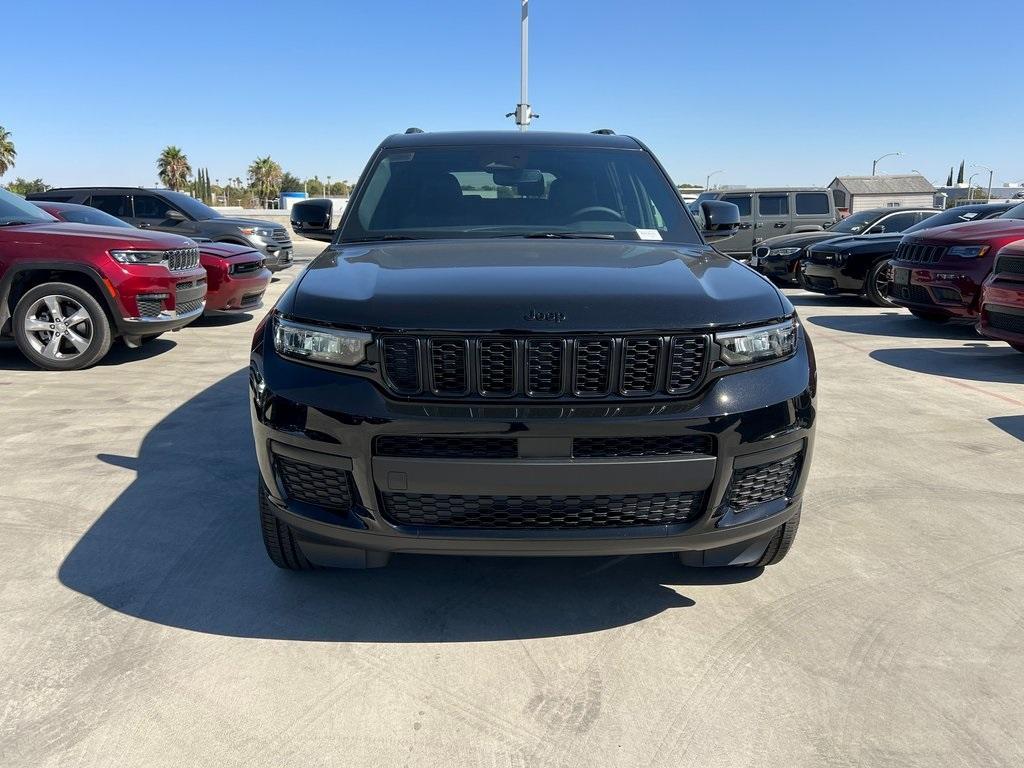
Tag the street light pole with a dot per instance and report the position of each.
(707, 179)
(988, 197)
(523, 114)
(874, 163)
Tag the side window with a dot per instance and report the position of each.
(740, 201)
(773, 205)
(811, 203)
(895, 223)
(115, 205)
(150, 207)
(928, 214)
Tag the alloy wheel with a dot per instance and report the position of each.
(58, 327)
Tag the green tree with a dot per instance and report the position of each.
(291, 183)
(7, 151)
(23, 187)
(960, 175)
(173, 168)
(265, 178)
(949, 179)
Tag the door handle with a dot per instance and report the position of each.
(143, 225)
(780, 224)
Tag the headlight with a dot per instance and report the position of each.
(138, 257)
(968, 251)
(753, 345)
(257, 231)
(783, 251)
(325, 345)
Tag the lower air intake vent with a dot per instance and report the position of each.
(756, 485)
(313, 484)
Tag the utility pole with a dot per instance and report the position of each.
(988, 197)
(707, 180)
(874, 163)
(523, 114)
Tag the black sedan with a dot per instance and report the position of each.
(860, 264)
(779, 257)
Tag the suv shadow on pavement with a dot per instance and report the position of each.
(996, 364)
(120, 354)
(896, 324)
(157, 553)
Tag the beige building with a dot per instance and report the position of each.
(859, 193)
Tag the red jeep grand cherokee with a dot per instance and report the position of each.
(937, 273)
(1002, 298)
(67, 290)
(236, 277)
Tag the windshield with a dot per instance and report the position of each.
(16, 210)
(517, 191)
(952, 216)
(190, 205)
(86, 215)
(858, 222)
(1017, 212)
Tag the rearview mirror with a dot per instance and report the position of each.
(512, 177)
(312, 219)
(721, 220)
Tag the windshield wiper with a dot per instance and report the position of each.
(15, 223)
(382, 237)
(562, 235)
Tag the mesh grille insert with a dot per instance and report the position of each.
(613, 447)
(544, 363)
(448, 366)
(313, 484)
(640, 365)
(441, 447)
(401, 365)
(756, 485)
(686, 364)
(1006, 321)
(593, 363)
(497, 367)
(1011, 265)
(544, 512)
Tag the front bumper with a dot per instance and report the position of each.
(231, 292)
(781, 268)
(1002, 310)
(330, 422)
(278, 255)
(157, 305)
(830, 279)
(953, 290)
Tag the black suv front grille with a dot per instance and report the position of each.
(765, 482)
(659, 445)
(544, 512)
(920, 253)
(470, 447)
(1006, 321)
(1013, 265)
(441, 447)
(314, 484)
(543, 366)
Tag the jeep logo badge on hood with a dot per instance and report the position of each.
(546, 317)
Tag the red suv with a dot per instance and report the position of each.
(937, 273)
(236, 277)
(1002, 298)
(67, 291)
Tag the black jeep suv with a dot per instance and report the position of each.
(519, 344)
(169, 211)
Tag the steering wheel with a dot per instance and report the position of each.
(598, 209)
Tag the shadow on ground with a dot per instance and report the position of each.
(181, 547)
(895, 324)
(222, 320)
(971, 362)
(11, 358)
(1011, 425)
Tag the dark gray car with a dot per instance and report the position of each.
(168, 211)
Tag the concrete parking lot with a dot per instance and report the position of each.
(142, 623)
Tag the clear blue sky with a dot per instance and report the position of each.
(771, 91)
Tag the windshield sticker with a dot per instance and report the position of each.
(648, 234)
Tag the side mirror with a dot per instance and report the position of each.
(174, 215)
(721, 220)
(876, 230)
(312, 219)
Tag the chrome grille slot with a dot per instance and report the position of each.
(181, 258)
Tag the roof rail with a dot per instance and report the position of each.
(604, 132)
(414, 130)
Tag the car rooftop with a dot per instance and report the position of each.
(509, 138)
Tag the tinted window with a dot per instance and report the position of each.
(190, 205)
(15, 209)
(856, 223)
(740, 201)
(84, 215)
(47, 197)
(773, 205)
(150, 207)
(115, 205)
(811, 203)
(484, 191)
(1017, 212)
(952, 216)
(896, 223)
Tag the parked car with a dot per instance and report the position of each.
(168, 211)
(563, 368)
(859, 264)
(68, 290)
(1002, 298)
(937, 273)
(779, 258)
(235, 276)
(771, 211)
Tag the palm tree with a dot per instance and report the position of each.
(265, 177)
(7, 153)
(173, 167)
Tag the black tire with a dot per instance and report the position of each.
(876, 284)
(278, 538)
(94, 329)
(929, 317)
(780, 544)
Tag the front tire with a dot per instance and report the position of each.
(61, 327)
(282, 547)
(780, 544)
(876, 284)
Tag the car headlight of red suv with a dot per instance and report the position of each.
(137, 257)
(968, 251)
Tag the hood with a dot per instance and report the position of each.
(225, 250)
(240, 222)
(1005, 230)
(503, 285)
(796, 240)
(880, 242)
(103, 237)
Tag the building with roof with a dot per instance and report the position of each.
(859, 193)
